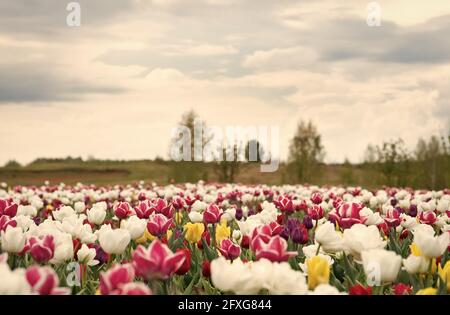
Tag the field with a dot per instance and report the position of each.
(212, 239)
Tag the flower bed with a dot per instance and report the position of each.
(213, 239)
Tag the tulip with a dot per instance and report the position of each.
(44, 281)
(193, 232)
(392, 217)
(206, 269)
(161, 206)
(222, 231)
(13, 240)
(444, 274)
(8, 208)
(144, 209)
(427, 217)
(274, 250)
(427, 291)
(229, 250)
(429, 245)
(359, 238)
(87, 255)
(159, 224)
(316, 198)
(123, 210)
(114, 241)
(135, 226)
(402, 289)
(41, 249)
(186, 266)
(284, 204)
(6, 221)
(328, 238)
(315, 212)
(96, 215)
(157, 261)
(195, 217)
(212, 214)
(135, 288)
(360, 290)
(113, 280)
(318, 271)
(383, 265)
(347, 214)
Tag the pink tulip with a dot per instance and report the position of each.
(41, 249)
(392, 217)
(285, 204)
(6, 221)
(113, 280)
(347, 214)
(263, 234)
(275, 250)
(161, 206)
(229, 250)
(44, 281)
(159, 224)
(157, 261)
(135, 288)
(316, 198)
(144, 209)
(212, 214)
(427, 217)
(123, 210)
(8, 208)
(315, 212)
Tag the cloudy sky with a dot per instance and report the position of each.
(115, 86)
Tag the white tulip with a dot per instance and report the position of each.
(87, 255)
(360, 238)
(431, 246)
(79, 206)
(114, 241)
(383, 265)
(27, 210)
(416, 264)
(13, 240)
(371, 218)
(96, 215)
(13, 282)
(328, 238)
(135, 226)
(63, 212)
(63, 248)
(443, 205)
(325, 289)
(195, 217)
(199, 206)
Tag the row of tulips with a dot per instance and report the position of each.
(145, 239)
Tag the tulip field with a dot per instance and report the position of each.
(212, 239)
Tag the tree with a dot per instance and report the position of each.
(228, 170)
(394, 162)
(305, 151)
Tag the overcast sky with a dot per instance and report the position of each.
(115, 86)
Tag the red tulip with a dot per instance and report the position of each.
(360, 290)
(123, 210)
(159, 224)
(41, 249)
(212, 214)
(186, 266)
(402, 289)
(157, 261)
(392, 217)
(8, 208)
(206, 269)
(275, 250)
(245, 242)
(112, 281)
(161, 206)
(229, 250)
(44, 281)
(205, 236)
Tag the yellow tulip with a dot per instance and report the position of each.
(169, 234)
(444, 273)
(178, 217)
(150, 237)
(415, 250)
(427, 291)
(193, 232)
(318, 271)
(222, 231)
